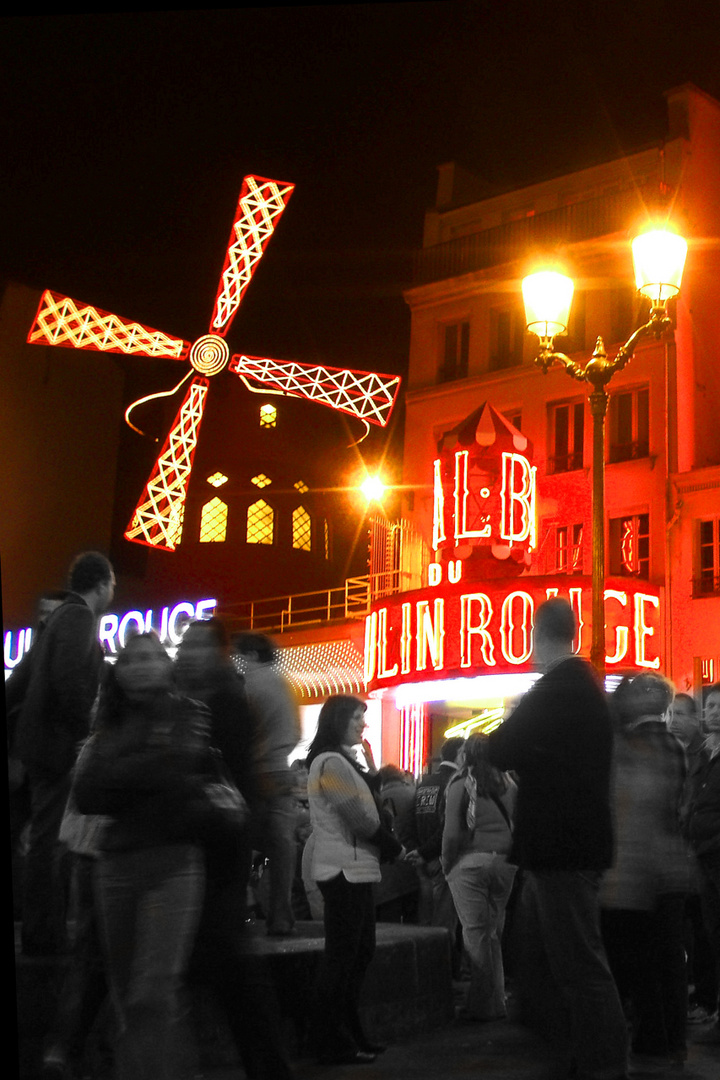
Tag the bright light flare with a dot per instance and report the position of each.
(659, 260)
(373, 489)
(548, 297)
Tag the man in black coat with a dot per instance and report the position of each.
(558, 741)
(66, 663)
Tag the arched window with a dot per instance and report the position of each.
(260, 523)
(213, 521)
(302, 529)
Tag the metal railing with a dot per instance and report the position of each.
(276, 614)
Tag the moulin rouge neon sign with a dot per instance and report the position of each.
(476, 616)
(114, 630)
(458, 629)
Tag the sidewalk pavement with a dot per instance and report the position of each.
(500, 1050)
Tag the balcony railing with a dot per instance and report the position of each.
(504, 243)
(277, 614)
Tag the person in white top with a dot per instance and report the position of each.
(349, 841)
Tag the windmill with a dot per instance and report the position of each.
(158, 517)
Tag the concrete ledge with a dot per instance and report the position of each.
(408, 990)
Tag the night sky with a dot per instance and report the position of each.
(126, 136)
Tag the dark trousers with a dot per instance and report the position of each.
(44, 903)
(84, 989)
(709, 883)
(646, 951)
(566, 986)
(349, 948)
(241, 981)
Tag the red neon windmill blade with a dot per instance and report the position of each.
(158, 517)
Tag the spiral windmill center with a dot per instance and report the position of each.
(209, 354)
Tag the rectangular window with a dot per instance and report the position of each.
(707, 577)
(568, 549)
(630, 546)
(630, 425)
(455, 352)
(574, 340)
(567, 430)
(507, 336)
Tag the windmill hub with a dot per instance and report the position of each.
(209, 354)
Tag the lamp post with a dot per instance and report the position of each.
(659, 259)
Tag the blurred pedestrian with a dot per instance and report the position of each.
(67, 662)
(559, 743)
(349, 842)
(703, 831)
(477, 838)
(144, 767)
(277, 728)
(436, 903)
(643, 894)
(397, 893)
(685, 723)
(222, 954)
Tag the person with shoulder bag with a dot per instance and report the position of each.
(477, 838)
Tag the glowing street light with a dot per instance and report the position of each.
(373, 489)
(659, 260)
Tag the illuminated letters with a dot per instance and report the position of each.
(370, 646)
(434, 573)
(621, 632)
(430, 635)
(438, 506)
(461, 497)
(468, 629)
(508, 627)
(406, 639)
(518, 499)
(643, 631)
(384, 672)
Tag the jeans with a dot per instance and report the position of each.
(275, 826)
(481, 893)
(565, 981)
(349, 947)
(149, 904)
(84, 989)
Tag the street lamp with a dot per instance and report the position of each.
(659, 259)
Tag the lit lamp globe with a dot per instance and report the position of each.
(659, 260)
(373, 489)
(548, 297)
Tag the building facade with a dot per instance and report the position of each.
(432, 654)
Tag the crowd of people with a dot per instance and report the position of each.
(572, 855)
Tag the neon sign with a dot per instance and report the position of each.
(461, 629)
(484, 496)
(114, 630)
(158, 518)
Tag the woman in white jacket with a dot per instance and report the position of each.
(349, 841)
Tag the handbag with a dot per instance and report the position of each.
(226, 813)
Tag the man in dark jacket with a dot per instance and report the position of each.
(559, 743)
(67, 662)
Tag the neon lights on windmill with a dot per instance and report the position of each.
(157, 520)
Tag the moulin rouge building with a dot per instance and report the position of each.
(497, 481)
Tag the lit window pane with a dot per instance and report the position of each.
(260, 523)
(261, 480)
(301, 486)
(302, 529)
(268, 416)
(213, 522)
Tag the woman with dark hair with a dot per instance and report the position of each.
(144, 768)
(349, 842)
(477, 837)
(642, 896)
